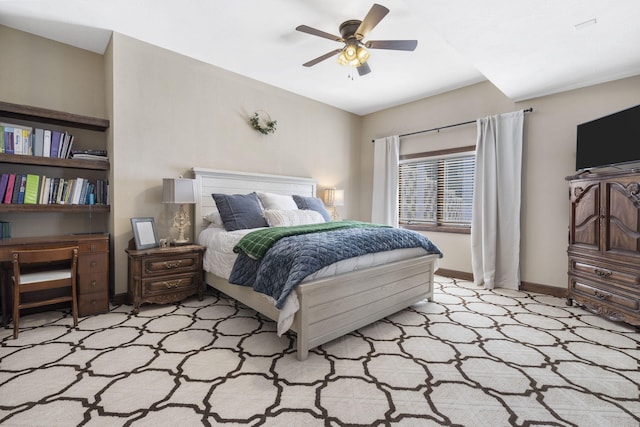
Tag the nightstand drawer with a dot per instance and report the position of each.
(171, 264)
(170, 284)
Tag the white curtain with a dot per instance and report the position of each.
(384, 205)
(495, 226)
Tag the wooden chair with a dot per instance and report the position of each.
(43, 270)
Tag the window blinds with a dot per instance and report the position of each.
(436, 191)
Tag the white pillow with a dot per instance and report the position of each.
(277, 201)
(214, 217)
(285, 218)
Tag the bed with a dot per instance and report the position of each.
(329, 307)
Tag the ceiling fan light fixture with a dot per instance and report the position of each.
(342, 58)
(363, 55)
(353, 55)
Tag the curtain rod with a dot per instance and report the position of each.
(528, 110)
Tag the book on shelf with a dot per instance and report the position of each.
(8, 138)
(38, 142)
(31, 189)
(55, 143)
(16, 189)
(5, 230)
(46, 147)
(10, 184)
(17, 140)
(4, 180)
(23, 189)
(46, 189)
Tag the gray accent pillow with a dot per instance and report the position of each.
(240, 211)
(314, 204)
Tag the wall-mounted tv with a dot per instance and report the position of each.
(609, 141)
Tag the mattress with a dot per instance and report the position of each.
(219, 259)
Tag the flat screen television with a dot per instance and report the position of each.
(609, 141)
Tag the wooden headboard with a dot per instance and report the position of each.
(228, 182)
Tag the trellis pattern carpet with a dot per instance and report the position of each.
(472, 357)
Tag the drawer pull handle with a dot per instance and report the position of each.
(174, 284)
(602, 295)
(602, 273)
(174, 264)
(93, 283)
(93, 263)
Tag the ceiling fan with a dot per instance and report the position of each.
(354, 53)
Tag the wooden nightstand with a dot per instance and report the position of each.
(164, 275)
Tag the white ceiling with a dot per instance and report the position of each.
(525, 48)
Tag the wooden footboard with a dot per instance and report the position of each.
(334, 306)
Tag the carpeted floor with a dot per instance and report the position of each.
(472, 357)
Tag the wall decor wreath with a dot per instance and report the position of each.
(261, 121)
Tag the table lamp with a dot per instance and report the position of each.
(333, 198)
(182, 191)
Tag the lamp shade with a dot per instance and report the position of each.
(179, 190)
(333, 197)
(338, 198)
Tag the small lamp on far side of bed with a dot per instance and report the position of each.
(333, 198)
(182, 191)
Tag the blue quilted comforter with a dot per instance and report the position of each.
(291, 259)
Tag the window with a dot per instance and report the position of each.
(436, 190)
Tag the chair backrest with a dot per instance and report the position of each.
(45, 258)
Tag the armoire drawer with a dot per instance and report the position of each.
(604, 273)
(608, 295)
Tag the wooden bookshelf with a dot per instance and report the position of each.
(36, 115)
(21, 159)
(43, 115)
(52, 207)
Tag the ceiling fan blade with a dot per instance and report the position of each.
(321, 58)
(364, 69)
(375, 15)
(315, 32)
(392, 44)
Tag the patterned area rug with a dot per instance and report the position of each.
(472, 358)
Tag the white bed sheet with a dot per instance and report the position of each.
(219, 259)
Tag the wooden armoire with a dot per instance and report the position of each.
(604, 244)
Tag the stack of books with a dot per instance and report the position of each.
(28, 141)
(31, 189)
(100, 155)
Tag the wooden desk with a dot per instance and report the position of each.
(93, 268)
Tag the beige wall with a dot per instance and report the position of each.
(548, 156)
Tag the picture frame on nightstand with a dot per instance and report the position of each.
(144, 233)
